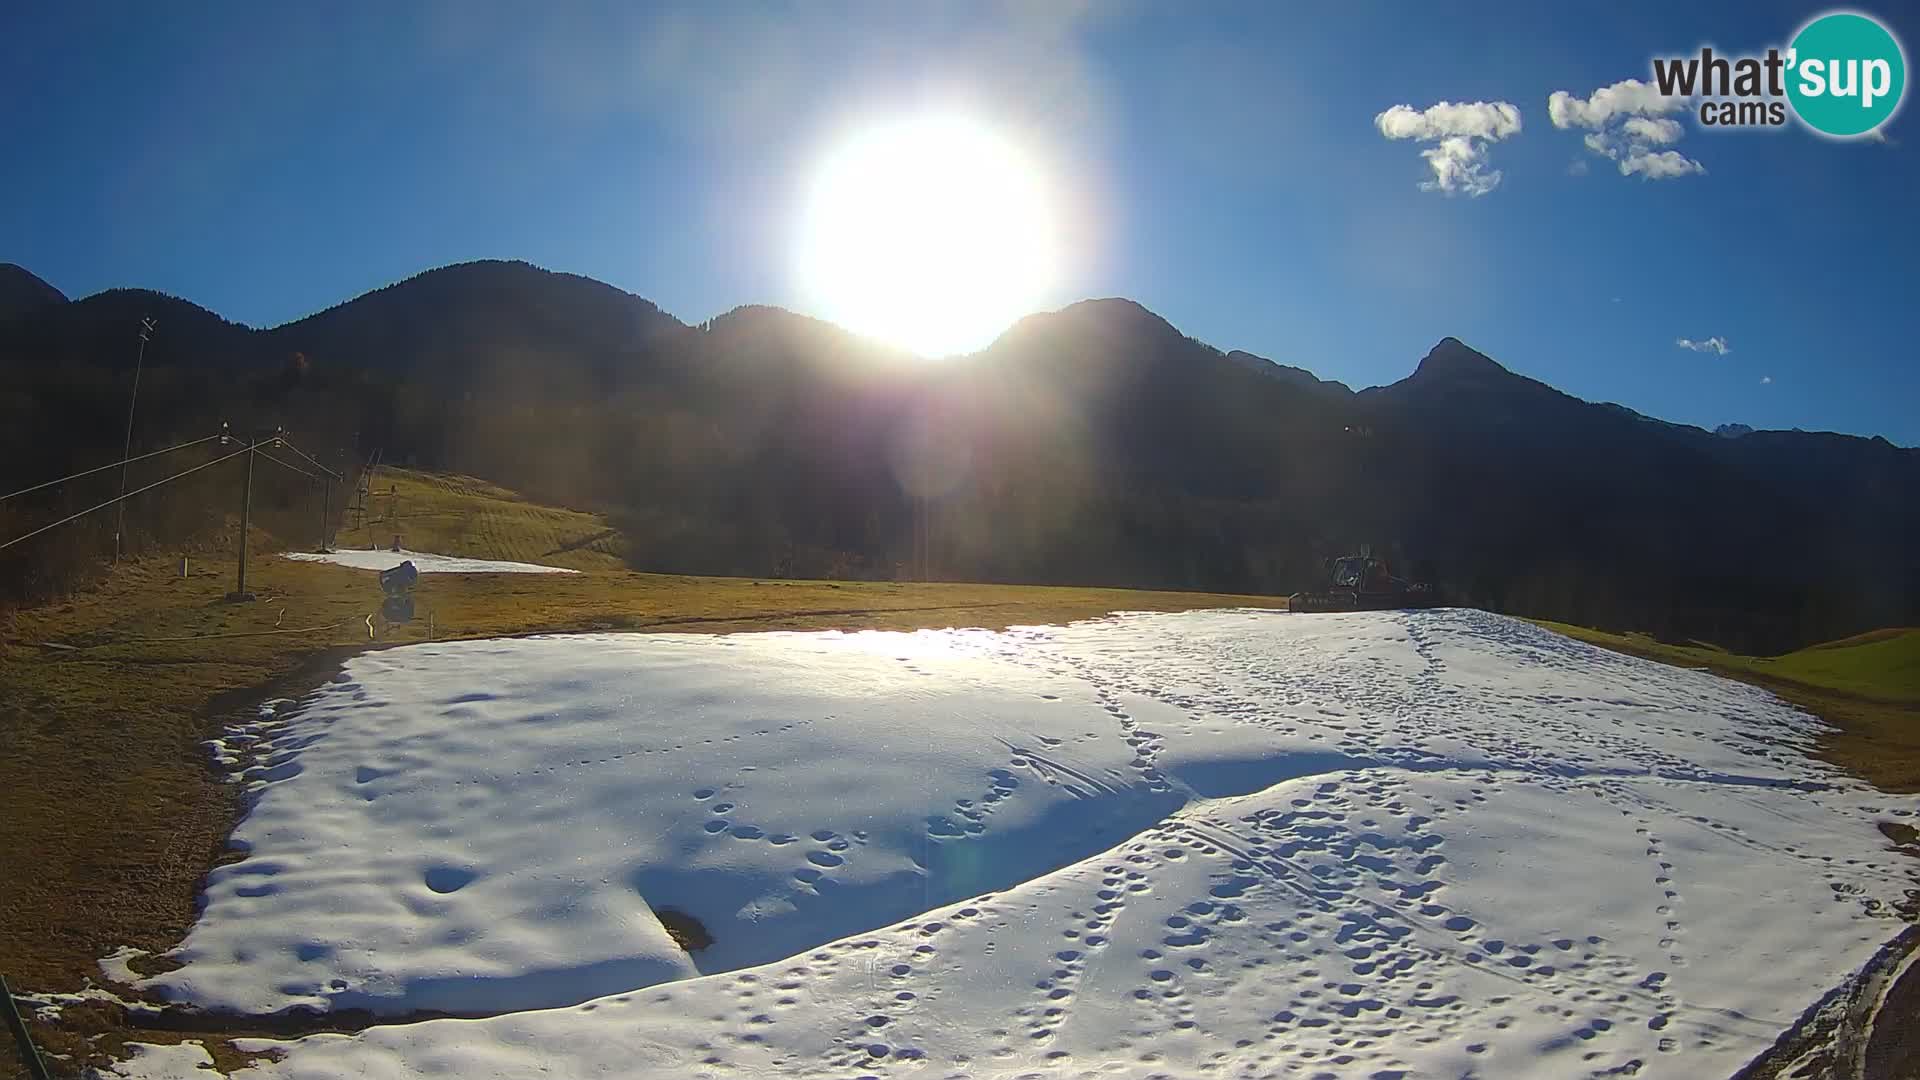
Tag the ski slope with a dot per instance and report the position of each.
(1209, 844)
(424, 561)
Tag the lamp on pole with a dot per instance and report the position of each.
(139, 362)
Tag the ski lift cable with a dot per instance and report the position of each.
(109, 465)
(117, 498)
(284, 465)
(309, 458)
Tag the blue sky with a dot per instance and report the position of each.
(1226, 171)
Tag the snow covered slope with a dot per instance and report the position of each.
(424, 561)
(1221, 843)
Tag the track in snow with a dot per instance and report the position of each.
(1222, 843)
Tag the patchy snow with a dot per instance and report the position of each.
(162, 1061)
(114, 965)
(47, 1006)
(244, 747)
(424, 561)
(1239, 843)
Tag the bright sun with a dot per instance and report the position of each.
(931, 232)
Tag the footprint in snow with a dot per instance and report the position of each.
(448, 879)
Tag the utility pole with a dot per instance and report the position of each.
(139, 362)
(363, 490)
(322, 478)
(246, 512)
(337, 482)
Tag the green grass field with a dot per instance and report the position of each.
(1883, 664)
(459, 515)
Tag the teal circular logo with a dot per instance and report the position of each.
(1845, 74)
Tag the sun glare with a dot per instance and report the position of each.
(931, 232)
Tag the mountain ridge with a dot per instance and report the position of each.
(1096, 444)
(22, 291)
(1449, 357)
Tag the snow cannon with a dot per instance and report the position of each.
(399, 580)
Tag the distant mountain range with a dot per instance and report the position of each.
(1095, 444)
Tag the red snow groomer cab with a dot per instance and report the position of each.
(1363, 583)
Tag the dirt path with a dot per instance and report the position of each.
(1862, 1030)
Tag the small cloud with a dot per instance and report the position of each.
(1461, 133)
(1629, 125)
(1716, 345)
(1577, 167)
(1766, 380)
(1653, 130)
(1615, 300)
(1664, 165)
(1459, 165)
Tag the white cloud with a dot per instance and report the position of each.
(1766, 380)
(1663, 165)
(1654, 130)
(1577, 167)
(1629, 125)
(1716, 345)
(1628, 97)
(1459, 165)
(1461, 133)
(1493, 120)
